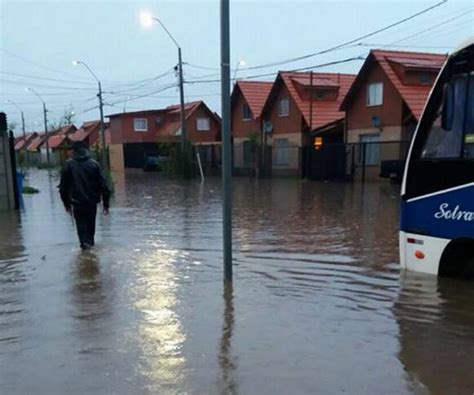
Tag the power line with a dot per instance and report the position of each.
(290, 71)
(37, 64)
(34, 84)
(430, 28)
(45, 78)
(339, 46)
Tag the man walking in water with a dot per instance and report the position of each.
(82, 186)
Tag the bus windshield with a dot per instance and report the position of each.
(451, 134)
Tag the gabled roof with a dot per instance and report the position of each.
(323, 111)
(23, 141)
(57, 140)
(173, 109)
(414, 96)
(66, 129)
(85, 130)
(36, 142)
(255, 94)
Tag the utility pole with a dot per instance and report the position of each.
(105, 159)
(23, 128)
(24, 138)
(147, 20)
(45, 117)
(226, 141)
(104, 156)
(182, 116)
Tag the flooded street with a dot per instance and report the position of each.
(319, 305)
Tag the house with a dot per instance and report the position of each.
(134, 136)
(247, 101)
(88, 133)
(21, 143)
(56, 141)
(299, 105)
(385, 103)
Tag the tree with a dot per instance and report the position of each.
(66, 119)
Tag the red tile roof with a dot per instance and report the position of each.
(23, 141)
(173, 109)
(36, 143)
(85, 130)
(414, 96)
(67, 129)
(323, 111)
(255, 94)
(57, 141)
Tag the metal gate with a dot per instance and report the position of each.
(327, 163)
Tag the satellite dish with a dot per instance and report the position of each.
(267, 127)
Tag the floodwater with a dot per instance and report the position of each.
(319, 305)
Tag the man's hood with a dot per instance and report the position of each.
(81, 155)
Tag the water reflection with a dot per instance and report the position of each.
(160, 333)
(435, 318)
(227, 362)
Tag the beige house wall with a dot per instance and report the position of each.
(117, 163)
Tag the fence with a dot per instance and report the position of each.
(281, 159)
(356, 161)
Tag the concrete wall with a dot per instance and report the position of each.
(117, 163)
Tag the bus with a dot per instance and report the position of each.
(437, 196)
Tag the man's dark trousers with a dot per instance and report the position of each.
(85, 223)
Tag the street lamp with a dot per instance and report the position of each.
(22, 125)
(105, 163)
(239, 63)
(45, 121)
(147, 21)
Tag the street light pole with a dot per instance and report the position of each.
(226, 141)
(45, 118)
(105, 162)
(147, 21)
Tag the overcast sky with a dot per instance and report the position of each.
(40, 39)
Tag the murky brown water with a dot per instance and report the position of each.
(318, 306)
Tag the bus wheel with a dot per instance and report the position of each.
(469, 269)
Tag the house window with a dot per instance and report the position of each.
(246, 112)
(203, 124)
(140, 124)
(375, 94)
(281, 152)
(284, 107)
(369, 143)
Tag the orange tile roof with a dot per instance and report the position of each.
(323, 111)
(413, 95)
(84, 131)
(23, 141)
(56, 141)
(36, 142)
(255, 94)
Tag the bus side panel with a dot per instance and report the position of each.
(422, 253)
(447, 214)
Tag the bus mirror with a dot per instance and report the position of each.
(447, 114)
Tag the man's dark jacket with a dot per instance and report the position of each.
(82, 182)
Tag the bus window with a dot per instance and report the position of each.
(451, 135)
(469, 125)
